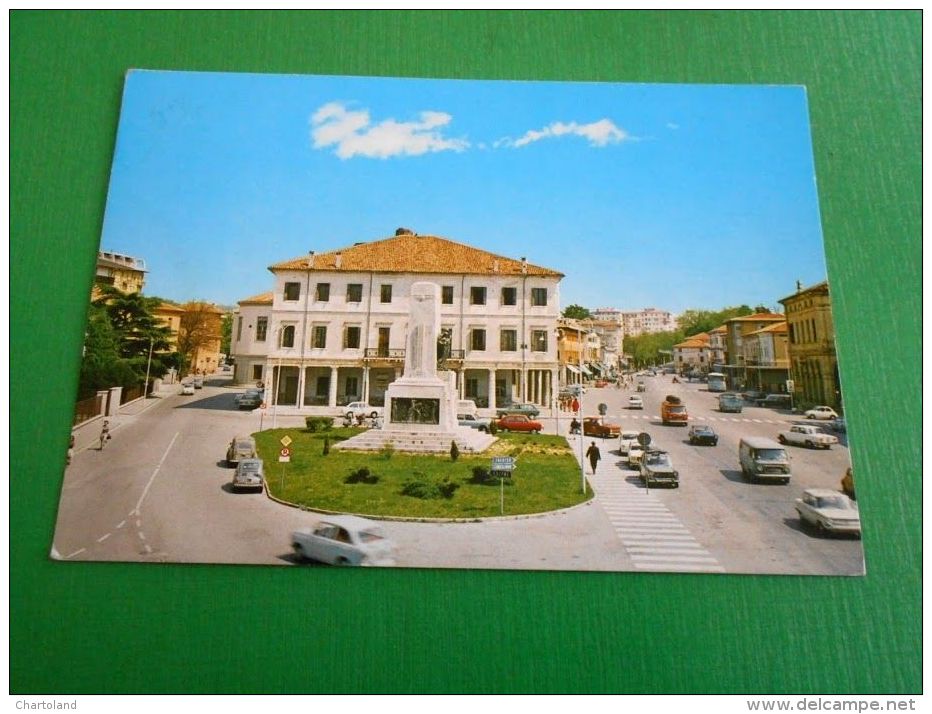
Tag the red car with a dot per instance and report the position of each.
(519, 422)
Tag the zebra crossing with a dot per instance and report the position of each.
(653, 537)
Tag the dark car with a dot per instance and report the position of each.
(528, 410)
(776, 401)
(702, 434)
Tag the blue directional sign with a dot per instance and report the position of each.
(503, 463)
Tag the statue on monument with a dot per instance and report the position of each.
(423, 329)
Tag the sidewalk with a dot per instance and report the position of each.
(87, 435)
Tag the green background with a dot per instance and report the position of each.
(78, 627)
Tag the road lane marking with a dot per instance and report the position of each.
(148, 549)
(77, 552)
(757, 421)
(121, 524)
(103, 537)
(154, 474)
(142, 536)
(138, 523)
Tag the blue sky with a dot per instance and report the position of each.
(667, 196)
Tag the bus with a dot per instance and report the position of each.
(717, 382)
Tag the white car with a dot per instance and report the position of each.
(187, 389)
(626, 438)
(821, 413)
(249, 475)
(354, 410)
(635, 454)
(344, 540)
(806, 435)
(635, 402)
(828, 511)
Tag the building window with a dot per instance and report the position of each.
(288, 336)
(509, 296)
(322, 388)
(351, 337)
(352, 387)
(257, 371)
(446, 294)
(476, 296)
(319, 337)
(322, 293)
(292, 291)
(239, 328)
(478, 339)
(386, 293)
(472, 387)
(445, 343)
(539, 297)
(262, 327)
(509, 341)
(354, 292)
(539, 340)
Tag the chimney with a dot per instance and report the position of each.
(523, 265)
(495, 266)
(310, 259)
(404, 232)
(338, 260)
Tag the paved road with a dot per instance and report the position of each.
(159, 492)
(749, 528)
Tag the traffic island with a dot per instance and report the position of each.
(393, 484)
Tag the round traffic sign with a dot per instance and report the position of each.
(285, 451)
(644, 438)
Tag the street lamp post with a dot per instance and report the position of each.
(582, 461)
(148, 365)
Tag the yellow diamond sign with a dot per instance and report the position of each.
(285, 440)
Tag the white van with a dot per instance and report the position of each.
(467, 406)
(763, 460)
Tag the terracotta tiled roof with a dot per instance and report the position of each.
(408, 253)
(759, 316)
(168, 307)
(261, 299)
(776, 327)
(692, 343)
(719, 329)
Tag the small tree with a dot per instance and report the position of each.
(454, 451)
(326, 446)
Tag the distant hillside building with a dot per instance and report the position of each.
(334, 329)
(648, 320)
(123, 272)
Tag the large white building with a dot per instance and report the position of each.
(648, 320)
(332, 330)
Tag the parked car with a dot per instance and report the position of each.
(839, 425)
(198, 382)
(354, 410)
(657, 469)
(641, 387)
(519, 422)
(753, 395)
(828, 511)
(528, 410)
(821, 413)
(775, 401)
(241, 447)
(467, 406)
(625, 439)
(594, 426)
(806, 435)
(473, 421)
(187, 388)
(600, 383)
(344, 540)
(249, 474)
(702, 434)
(250, 399)
(635, 402)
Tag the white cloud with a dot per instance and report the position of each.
(671, 125)
(352, 133)
(599, 133)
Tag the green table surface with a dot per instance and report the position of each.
(79, 627)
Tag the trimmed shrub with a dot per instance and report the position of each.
(317, 423)
(454, 451)
(493, 427)
(362, 475)
(420, 486)
(480, 475)
(326, 446)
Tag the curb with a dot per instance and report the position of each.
(423, 519)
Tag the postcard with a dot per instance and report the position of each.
(461, 324)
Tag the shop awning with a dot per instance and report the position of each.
(572, 368)
(586, 371)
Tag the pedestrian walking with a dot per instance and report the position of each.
(594, 456)
(574, 426)
(575, 404)
(70, 451)
(104, 434)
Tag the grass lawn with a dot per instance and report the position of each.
(546, 477)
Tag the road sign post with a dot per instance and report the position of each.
(503, 467)
(644, 441)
